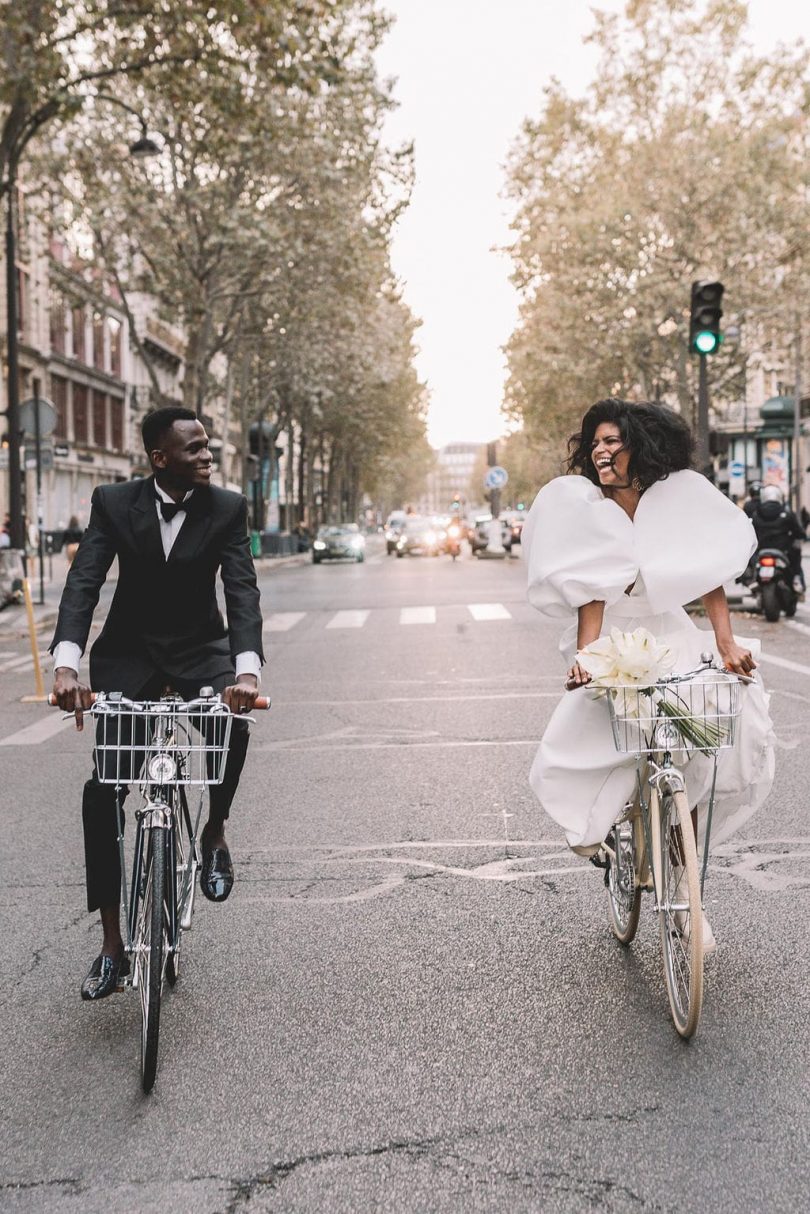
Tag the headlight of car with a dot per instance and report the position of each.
(161, 768)
(430, 537)
(319, 545)
(358, 541)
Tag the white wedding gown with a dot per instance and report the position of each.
(685, 540)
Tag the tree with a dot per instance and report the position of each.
(685, 159)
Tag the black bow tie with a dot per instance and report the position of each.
(170, 509)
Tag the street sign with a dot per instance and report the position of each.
(28, 417)
(61, 450)
(496, 478)
(46, 454)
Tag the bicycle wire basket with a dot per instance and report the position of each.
(688, 715)
(161, 742)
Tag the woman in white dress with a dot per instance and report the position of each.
(625, 540)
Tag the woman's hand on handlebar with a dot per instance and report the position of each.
(577, 677)
(241, 696)
(737, 658)
(70, 694)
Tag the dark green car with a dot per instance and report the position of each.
(343, 542)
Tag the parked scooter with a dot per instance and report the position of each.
(770, 581)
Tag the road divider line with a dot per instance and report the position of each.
(499, 695)
(283, 621)
(348, 619)
(785, 663)
(41, 731)
(417, 615)
(291, 748)
(488, 611)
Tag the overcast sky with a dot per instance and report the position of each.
(468, 72)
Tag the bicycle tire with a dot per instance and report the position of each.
(152, 955)
(623, 890)
(680, 913)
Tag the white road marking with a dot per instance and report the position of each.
(282, 621)
(488, 611)
(25, 660)
(290, 748)
(41, 731)
(797, 626)
(785, 663)
(417, 615)
(348, 619)
(495, 695)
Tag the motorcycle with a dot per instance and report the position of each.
(452, 543)
(770, 581)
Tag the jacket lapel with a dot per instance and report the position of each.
(144, 521)
(195, 528)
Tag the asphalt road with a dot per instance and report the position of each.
(412, 1000)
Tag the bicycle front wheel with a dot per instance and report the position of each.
(151, 954)
(624, 894)
(680, 912)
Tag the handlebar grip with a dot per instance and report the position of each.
(262, 702)
(52, 699)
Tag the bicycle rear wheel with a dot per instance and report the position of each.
(624, 894)
(680, 913)
(151, 955)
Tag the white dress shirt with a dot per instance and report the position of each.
(68, 653)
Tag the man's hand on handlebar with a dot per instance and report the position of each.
(241, 695)
(71, 694)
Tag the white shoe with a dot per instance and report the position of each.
(682, 923)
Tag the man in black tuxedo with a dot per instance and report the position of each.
(172, 532)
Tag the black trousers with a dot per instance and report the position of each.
(99, 818)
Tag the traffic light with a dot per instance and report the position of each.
(704, 317)
(455, 505)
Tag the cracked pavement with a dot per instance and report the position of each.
(412, 1000)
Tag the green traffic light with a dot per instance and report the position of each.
(706, 342)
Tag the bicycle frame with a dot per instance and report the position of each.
(665, 778)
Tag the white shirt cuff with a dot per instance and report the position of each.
(67, 653)
(248, 663)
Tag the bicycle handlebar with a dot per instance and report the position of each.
(262, 702)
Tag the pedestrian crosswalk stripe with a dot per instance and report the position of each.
(488, 611)
(348, 619)
(417, 615)
(282, 621)
(41, 731)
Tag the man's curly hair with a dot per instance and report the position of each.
(657, 439)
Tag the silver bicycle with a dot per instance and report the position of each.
(654, 845)
(171, 751)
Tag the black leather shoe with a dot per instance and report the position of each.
(216, 874)
(105, 974)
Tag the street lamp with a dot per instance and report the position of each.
(142, 148)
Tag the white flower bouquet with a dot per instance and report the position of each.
(628, 665)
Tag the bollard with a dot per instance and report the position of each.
(39, 697)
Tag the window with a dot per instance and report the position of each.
(59, 397)
(22, 277)
(100, 419)
(79, 346)
(114, 327)
(98, 341)
(116, 423)
(57, 322)
(80, 415)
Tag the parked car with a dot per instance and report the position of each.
(341, 542)
(420, 537)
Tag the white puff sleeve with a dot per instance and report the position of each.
(690, 539)
(579, 547)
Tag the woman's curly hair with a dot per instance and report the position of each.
(658, 440)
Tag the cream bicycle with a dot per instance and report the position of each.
(653, 846)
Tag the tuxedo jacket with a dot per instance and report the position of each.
(164, 617)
